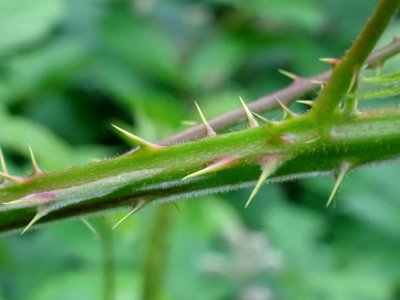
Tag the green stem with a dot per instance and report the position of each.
(287, 94)
(339, 84)
(106, 240)
(155, 259)
(153, 176)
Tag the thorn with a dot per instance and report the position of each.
(141, 142)
(332, 61)
(319, 82)
(287, 113)
(218, 165)
(264, 119)
(207, 127)
(267, 169)
(36, 169)
(136, 208)
(41, 212)
(306, 102)
(33, 199)
(250, 118)
(15, 179)
(290, 75)
(341, 174)
(25, 200)
(91, 228)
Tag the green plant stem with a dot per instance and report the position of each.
(108, 265)
(350, 65)
(155, 260)
(153, 176)
(293, 91)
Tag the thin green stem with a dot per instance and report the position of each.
(154, 266)
(108, 261)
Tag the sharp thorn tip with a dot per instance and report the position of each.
(40, 214)
(207, 127)
(341, 174)
(137, 140)
(135, 209)
(250, 118)
(268, 169)
(35, 165)
(288, 74)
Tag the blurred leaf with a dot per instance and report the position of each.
(50, 67)
(17, 133)
(25, 21)
(206, 68)
(141, 45)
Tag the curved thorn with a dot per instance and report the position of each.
(250, 118)
(220, 164)
(136, 208)
(341, 174)
(288, 74)
(36, 169)
(91, 228)
(207, 127)
(141, 142)
(267, 170)
(41, 212)
(287, 113)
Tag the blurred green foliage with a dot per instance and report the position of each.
(69, 68)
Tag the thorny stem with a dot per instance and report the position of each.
(349, 66)
(155, 174)
(295, 90)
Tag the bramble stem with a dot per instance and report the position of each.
(350, 65)
(293, 91)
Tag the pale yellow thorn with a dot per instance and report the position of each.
(141, 142)
(207, 127)
(318, 82)
(217, 166)
(250, 118)
(25, 200)
(36, 168)
(288, 74)
(267, 169)
(306, 102)
(286, 111)
(343, 171)
(40, 214)
(138, 206)
(264, 119)
(330, 60)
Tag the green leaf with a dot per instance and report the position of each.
(26, 21)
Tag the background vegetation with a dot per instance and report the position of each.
(70, 68)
